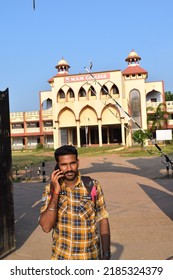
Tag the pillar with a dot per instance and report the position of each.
(78, 134)
(100, 132)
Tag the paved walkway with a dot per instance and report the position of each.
(140, 202)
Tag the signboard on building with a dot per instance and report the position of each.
(87, 77)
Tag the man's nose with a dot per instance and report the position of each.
(68, 166)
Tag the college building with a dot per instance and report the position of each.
(90, 108)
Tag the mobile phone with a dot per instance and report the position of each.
(56, 168)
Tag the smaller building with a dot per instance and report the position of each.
(30, 129)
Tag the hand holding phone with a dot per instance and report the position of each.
(56, 177)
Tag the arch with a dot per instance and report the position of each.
(114, 91)
(92, 93)
(135, 107)
(154, 96)
(70, 96)
(88, 116)
(47, 104)
(82, 94)
(65, 88)
(104, 92)
(64, 116)
(60, 96)
(109, 84)
(110, 115)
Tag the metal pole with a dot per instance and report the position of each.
(43, 172)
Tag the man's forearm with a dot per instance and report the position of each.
(105, 238)
(48, 218)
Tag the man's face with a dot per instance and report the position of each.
(69, 165)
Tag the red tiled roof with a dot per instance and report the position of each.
(50, 80)
(131, 69)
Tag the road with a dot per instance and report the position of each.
(139, 199)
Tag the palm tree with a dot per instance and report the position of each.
(158, 117)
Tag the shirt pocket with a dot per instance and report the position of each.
(86, 209)
(62, 204)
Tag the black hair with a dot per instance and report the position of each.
(65, 150)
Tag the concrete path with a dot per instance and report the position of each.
(139, 199)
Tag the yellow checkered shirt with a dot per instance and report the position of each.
(75, 234)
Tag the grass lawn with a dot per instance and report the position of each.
(35, 157)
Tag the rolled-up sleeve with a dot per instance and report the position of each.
(46, 197)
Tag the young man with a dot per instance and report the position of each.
(73, 213)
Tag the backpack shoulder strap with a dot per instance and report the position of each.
(91, 187)
(88, 183)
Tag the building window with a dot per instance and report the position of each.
(104, 90)
(92, 91)
(82, 92)
(114, 90)
(32, 124)
(71, 93)
(61, 94)
(135, 107)
(17, 125)
(48, 123)
(153, 99)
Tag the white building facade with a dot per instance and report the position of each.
(87, 108)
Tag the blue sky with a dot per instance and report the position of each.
(104, 31)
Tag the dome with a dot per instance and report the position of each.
(63, 62)
(133, 56)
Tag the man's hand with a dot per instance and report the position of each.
(55, 177)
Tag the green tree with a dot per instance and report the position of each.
(157, 117)
(168, 96)
(139, 136)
